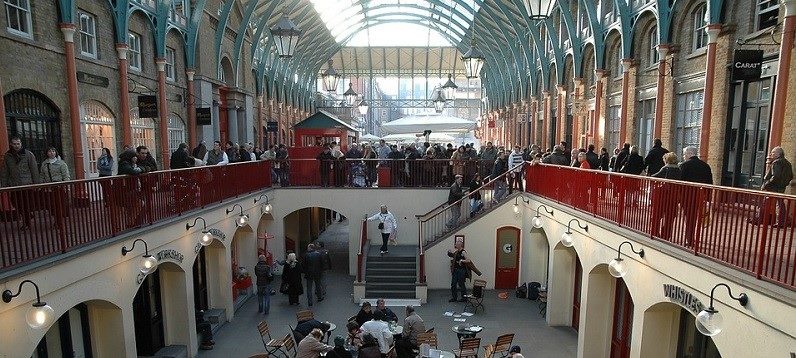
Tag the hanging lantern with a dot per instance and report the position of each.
(286, 36)
(330, 78)
(439, 101)
(350, 95)
(473, 61)
(450, 88)
(363, 107)
(539, 9)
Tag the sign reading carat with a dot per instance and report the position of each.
(747, 65)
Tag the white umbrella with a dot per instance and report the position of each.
(412, 137)
(433, 122)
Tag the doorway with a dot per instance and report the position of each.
(623, 321)
(148, 316)
(507, 255)
(68, 337)
(200, 281)
(747, 134)
(691, 343)
(646, 121)
(576, 290)
(34, 118)
(98, 132)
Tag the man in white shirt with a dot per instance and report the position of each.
(216, 156)
(515, 177)
(387, 225)
(380, 330)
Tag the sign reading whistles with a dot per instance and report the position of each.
(747, 65)
(683, 298)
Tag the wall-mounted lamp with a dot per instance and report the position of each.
(517, 203)
(40, 315)
(148, 262)
(243, 219)
(617, 266)
(708, 322)
(537, 220)
(266, 206)
(207, 237)
(566, 238)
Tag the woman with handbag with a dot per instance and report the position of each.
(291, 279)
(388, 227)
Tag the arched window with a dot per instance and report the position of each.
(700, 38)
(177, 133)
(34, 118)
(652, 37)
(98, 132)
(142, 130)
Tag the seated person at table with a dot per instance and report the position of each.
(365, 313)
(413, 325)
(339, 350)
(370, 347)
(379, 329)
(388, 313)
(354, 334)
(304, 328)
(311, 346)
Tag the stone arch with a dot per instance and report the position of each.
(645, 27)
(243, 249)
(588, 70)
(561, 287)
(169, 289)
(613, 54)
(227, 72)
(34, 118)
(597, 315)
(535, 257)
(212, 278)
(282, 216)
(660, 327)
(682, 30)
(97, 123)
(87, 322)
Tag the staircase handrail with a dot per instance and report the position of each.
(362, 255)
(421, 274)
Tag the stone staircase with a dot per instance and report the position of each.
(393, 275)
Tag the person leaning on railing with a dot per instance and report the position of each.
(500, 167)
(694, 170)
(777, 179)
(665, 197)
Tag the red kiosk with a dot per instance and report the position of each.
(310, 134)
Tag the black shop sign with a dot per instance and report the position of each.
(272, 126)
(203, 116)
(147, 106)
(747, 65)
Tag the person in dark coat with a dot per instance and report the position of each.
(592, 157)
(664, 199)
(621, 157)
(365, 313)
(653, 162)
(313, 270)
(291, 276)
(694, 170)
(634, 163)
(325, 161)
(180, 159)
(145, 160)
(777, 179)
(604, 160)
(557, 157)
(264, 277)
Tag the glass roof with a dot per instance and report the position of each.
(396, 22)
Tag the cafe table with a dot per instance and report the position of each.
(466, 331)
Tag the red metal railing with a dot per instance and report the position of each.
(41, 220)
(362, 254)
(366, 173)
(440, 221)
(749, 230)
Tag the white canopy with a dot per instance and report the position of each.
(411, 137)
(369, 138)
(434, 122)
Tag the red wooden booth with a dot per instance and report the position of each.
(310, 135)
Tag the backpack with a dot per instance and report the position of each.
(533, 291)
(522, 291)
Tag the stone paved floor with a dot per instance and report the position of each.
(240, 338)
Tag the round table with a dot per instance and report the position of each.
(332, 327)
(396, 330)
(446, 354)
(463, 331)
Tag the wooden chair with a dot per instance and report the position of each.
(489, 351)
(468, 348)
(476, 298)
(290, 350)
(430, 330)
(503, 345)
(271, 345)
(391, 352)
(429, 338)
(304, 315)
